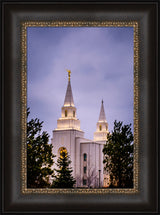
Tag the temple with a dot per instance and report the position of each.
(86, 155)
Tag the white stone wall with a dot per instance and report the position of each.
(103, 124)
(76, 146)
(69, 111)
(67, 123)
(94, 163)
(101, 134)
(67, 139)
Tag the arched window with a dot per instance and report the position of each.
(85, 169)
(73, 113)
(65, 113)
(84, 156)
(62, 151)
(100, 128)
(106, 127)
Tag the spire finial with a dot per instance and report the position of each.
(69, 97)
(69, 74)
(102, 116)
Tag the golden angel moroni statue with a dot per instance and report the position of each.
(69, 74)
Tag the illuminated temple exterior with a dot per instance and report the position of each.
(86, 155)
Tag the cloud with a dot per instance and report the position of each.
(101, 62)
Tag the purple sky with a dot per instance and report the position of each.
(101, 64)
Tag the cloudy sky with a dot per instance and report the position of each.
(101, 64)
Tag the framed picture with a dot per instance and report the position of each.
(85, 155)
(107, 52)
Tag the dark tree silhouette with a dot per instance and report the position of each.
(63, 178)
(118, 156)
(39, 155)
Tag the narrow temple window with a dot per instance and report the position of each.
(85, 156)
(85, 169)
(84, 181)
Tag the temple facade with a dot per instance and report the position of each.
(86, 155)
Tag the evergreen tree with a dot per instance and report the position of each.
(39, 155)
(118, 155)
(64, 178)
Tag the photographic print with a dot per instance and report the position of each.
(80, 107)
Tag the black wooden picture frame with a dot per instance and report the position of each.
(146, 199)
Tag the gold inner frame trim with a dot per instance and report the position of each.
(24, 26)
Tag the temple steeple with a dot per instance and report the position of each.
(68, 101)
(102, 126)
(68, 118)
(102, 116)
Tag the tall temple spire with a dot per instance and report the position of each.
(68, 119)
(69, 97)
(102, 116)
(102, 126)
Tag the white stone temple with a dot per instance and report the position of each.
(86, 155)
